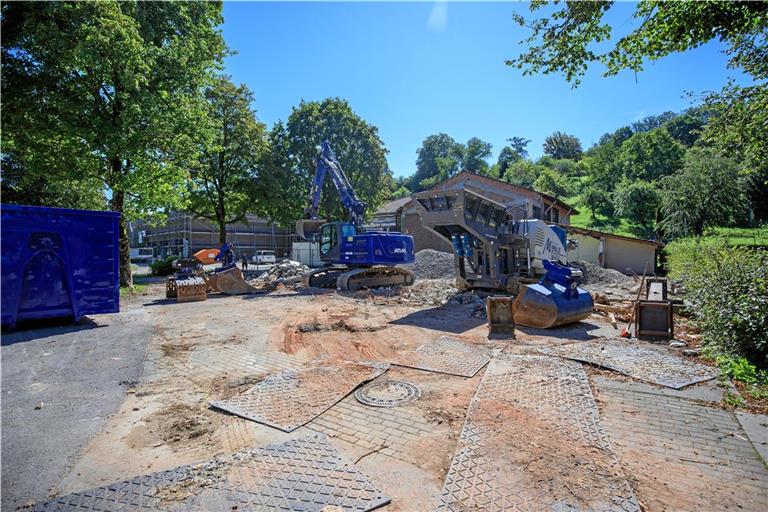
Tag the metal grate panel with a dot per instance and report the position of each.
(532, 441)
(446, 355)
(289, 399)
(305, 474)
(637, 361)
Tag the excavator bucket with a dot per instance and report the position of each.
(230, 282)
(545, 305)
(307, 228)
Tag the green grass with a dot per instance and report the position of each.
(740, 236)
(138, 289)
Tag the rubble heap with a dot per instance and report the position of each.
(598, 275)
(431, 264)
(284, 272)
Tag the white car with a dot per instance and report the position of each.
(264, 257)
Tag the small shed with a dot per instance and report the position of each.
(622, 253)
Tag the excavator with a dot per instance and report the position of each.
(353, 258)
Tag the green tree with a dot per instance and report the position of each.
(602, 166)
(226, 185)
(650, 155)
(552, 182)
(686, 128)
(110, 91)
(516, 150)
(708, 191)
(522, 173)
(19, 186)
(637, 201)
(598, 200)
(562, 145)
(294, 148)
(432, 148)
(573, 37)
(475, 156)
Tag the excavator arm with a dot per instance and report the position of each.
(327, 164)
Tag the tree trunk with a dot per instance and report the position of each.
(222, 232)
(126, 277)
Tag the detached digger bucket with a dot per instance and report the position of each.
(191, 289)
(230, 282)
(546, 305)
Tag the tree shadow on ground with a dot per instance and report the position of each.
(28, 330)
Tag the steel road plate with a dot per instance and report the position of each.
(291, 398)
(446, 355)
(305, 474)
(637, 361)
(532, 441)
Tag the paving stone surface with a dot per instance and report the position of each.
(446, 355)
(289, 399)
(636, 359)
(532, 441)
(681, 454)
(305, 474)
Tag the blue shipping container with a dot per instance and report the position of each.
(58, 262)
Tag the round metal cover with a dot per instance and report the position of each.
(388, 393)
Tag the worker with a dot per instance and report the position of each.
(245, 262)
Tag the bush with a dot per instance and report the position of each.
(162, 267)
(728, 292)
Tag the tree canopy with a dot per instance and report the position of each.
(562, 145)
(226, 184)
(294, 148)
(567, 41)
(707, 191)
(110, 92)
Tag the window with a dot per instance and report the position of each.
(328, 239)
(536, 212)
(556, 215)
(470, 204)
(482, 215)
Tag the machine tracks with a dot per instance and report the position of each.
(353, 279)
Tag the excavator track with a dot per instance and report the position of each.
(352, 279)
(374, 277)
(323, 277)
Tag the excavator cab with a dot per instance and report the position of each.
(332, 237)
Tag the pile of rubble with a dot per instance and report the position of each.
(598, 275)
(431, 264)
(285, 272)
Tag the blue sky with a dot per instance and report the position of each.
(414, 69)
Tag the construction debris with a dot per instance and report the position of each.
(285, 272)
(592, 274)
(431, 264)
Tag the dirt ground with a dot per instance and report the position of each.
(207, 351)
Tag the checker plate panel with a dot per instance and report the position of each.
(532, 441)
(291, 398)
(635, 360)
(446, 355)
(303, 474)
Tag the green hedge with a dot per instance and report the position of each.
(728, 291)
(162, 267)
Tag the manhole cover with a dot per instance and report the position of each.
(388, 393)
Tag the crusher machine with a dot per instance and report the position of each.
(497, 247)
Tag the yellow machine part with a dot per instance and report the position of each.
(230, 282)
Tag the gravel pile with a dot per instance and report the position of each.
(598, 275)
(431, 264)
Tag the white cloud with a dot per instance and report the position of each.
(438, 16)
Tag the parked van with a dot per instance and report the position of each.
(265, 257)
